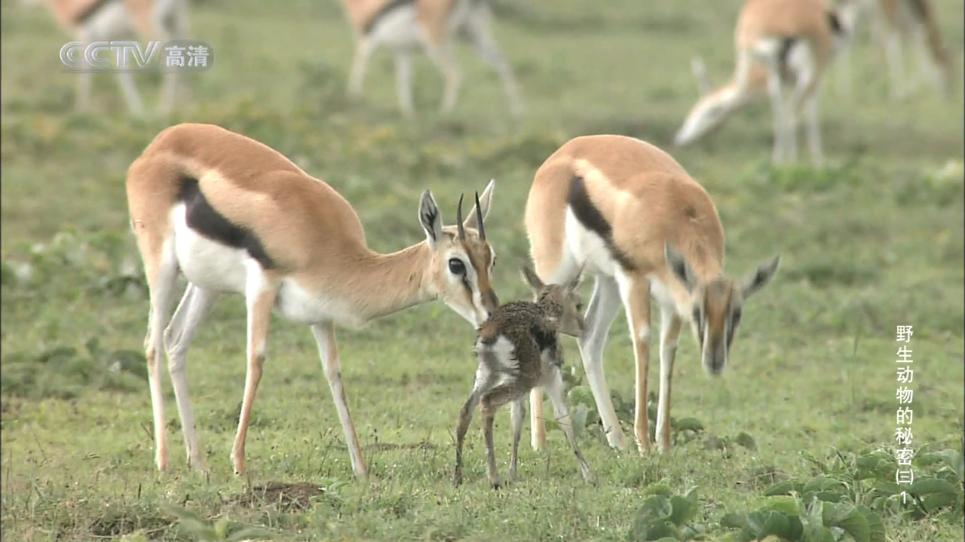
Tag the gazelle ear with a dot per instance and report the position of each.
(485, 203)
(759, 278)
(532, 279)
(680, 268)
(430, 217)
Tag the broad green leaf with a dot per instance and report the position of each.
(876, 529)
(733, 520)
(684, 510)
(783, 488)
(658, 489)
(783, 504)
(817, 533)
(656, 507)
(847, 517)
(926, 486)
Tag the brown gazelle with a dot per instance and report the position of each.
(915, 23)
(519, 348)
(430, 25)
(104, 20)
(628, 213)
(233, 215)
(779, 43)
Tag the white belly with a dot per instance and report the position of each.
(207, 263)
(398, 28)
(587, 249)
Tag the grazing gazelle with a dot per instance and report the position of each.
(915, 23)
(430, 25)
(628, 213)
(779, 43)
(233, 215)
(104, 20)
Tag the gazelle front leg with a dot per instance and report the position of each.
(465, 417)
(161, 271)
(635, 292)
(260, 292)
(554, 389)
(442, 57)
(779, 111)
(481, 37)
(403, 81)
(325, 339)
(670, 324)
(363, 51)
(537, 425)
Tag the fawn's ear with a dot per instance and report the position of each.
(430, 217)
(532, 279)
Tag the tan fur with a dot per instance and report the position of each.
(894, 15)
(433, 15)
(313, 238)
(68, 12)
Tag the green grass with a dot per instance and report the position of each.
(873, 240)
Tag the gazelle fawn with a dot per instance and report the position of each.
(235, 216)
(628, 213)
(518, 348)
(105, 20)
(783, 47)
(432, 26)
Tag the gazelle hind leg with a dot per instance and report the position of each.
(260, 292)
(779, 111)
(360, 61)
(161, 269)
(670, 325)
(604, 305)
(554, 388)
(403, 82)
(480, 35)
(177, 339)
(518, 412)
(442, 57)
(465, 417)
(325, 339)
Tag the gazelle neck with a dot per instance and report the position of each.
(391, 282)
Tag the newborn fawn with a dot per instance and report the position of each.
(518, 348)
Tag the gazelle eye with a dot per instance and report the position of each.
(456, 267)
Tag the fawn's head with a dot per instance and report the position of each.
(461, 263)
(560, 302)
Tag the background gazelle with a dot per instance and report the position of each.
(96, 20)
(233, 215)
(779, 43)
(405, 25)
(628, 213)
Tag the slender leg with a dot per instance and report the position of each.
(480, 34)
(129, 91)
(161, 282)
(177, 339)
(635, 292)
(518, 412)
(778, 110)
(363, 51)
(259, 297)
(403, 81)
(896, 68)
(442, 57)
(669, 332)
(325, 339)
(536, 425)
(603, 308)
(554, 388)
(491, 471)
(465, 416)
(814, 130)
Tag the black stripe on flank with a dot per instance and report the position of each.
(207, 221)
(835, 22)
(82, 17)
(591, 218)
(386, 9)
(784, 52)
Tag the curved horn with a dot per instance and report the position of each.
(479, 220)
(462, 230)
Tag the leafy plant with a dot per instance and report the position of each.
(664, 516)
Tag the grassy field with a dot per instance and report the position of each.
(872, 240)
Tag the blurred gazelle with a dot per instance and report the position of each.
(430, 25)
(628, 213)
(233, 215)
(104, 20)
(915, 23)
(779, 43)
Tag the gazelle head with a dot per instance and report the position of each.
(560, 301)
(717, 306)
(462, 260)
